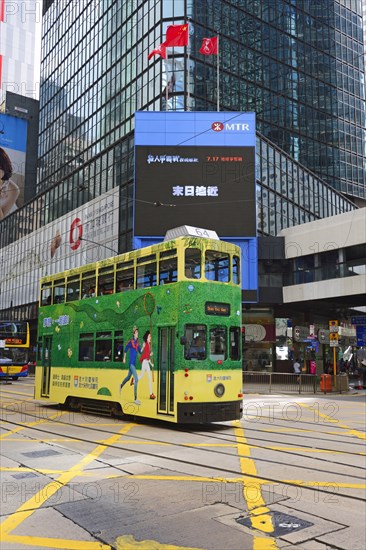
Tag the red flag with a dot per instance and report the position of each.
(209, 46)
(176, 35)
(160, 50)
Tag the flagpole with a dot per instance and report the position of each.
(218, 74)
(189, 77)
(167, 83)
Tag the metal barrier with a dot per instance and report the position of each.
(268, 382)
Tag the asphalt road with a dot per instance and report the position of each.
(291, 474)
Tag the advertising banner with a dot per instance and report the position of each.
(87, 234)
(13, 144)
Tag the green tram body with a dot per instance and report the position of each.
(81, 342)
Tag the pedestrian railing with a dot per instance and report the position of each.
(277, 382)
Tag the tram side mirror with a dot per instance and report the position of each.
(183, 340)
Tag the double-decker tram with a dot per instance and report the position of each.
(14, 349)
(155, 332)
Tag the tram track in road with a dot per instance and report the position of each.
(250, 431)
(228, 440)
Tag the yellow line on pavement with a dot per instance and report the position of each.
(39, 498)
(259, 480)
(30, 424)
(259, 514)
(349, 430)
(129, 543)
(55, 544)
(15, 392)
(44, 471)
(304, 450)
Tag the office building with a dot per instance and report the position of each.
(19, 24)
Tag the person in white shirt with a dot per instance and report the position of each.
(297, 367)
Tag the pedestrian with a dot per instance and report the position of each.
(297, 369)
(134, 348)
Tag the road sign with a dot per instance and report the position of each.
(333, 326)
(333, 339)
(361, 336)
(358, 320)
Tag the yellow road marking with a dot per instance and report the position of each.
(304, 450)
(243, 479)
(259, 514)
(129, 543)
(55, 544)
(199, 479)
(349, 430)
(38, 499)
(29, 425)
(41, 471)
(12, 392)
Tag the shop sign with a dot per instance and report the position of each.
(259, 333)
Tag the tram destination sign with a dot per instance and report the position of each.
(215, 308)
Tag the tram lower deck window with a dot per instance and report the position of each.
(195, 342)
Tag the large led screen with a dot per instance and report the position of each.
(195, 168)
(203, 186)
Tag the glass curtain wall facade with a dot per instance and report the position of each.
(300, 67)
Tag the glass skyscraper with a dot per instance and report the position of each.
(298, 65)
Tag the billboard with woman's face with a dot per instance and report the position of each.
(13, 144)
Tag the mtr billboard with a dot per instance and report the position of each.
(196, 169)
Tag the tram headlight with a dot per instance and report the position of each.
(219, 390)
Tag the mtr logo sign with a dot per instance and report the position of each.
(230, 126)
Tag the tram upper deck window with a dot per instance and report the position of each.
(105, 280)
(124, 276)
(59, 291)
(146, 273)
(46, 293)
(217, 266)
(192, 263)
(168, 270)
(73, 288)
(236, 270)
(88, 283)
